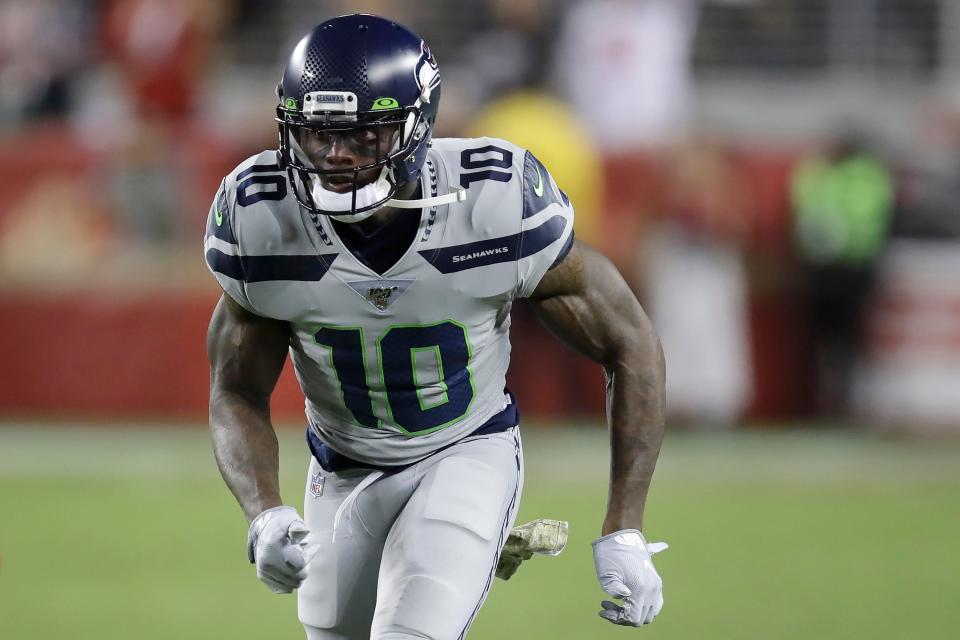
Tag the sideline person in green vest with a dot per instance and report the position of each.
(843, 203)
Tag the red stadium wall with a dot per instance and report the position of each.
(120, 355)
(107, 355)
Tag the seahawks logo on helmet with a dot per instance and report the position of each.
(427, 72)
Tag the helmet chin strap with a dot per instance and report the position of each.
(459, 194)
(332, 201)
(365, 196)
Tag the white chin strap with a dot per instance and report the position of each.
(372, 193)
(367, 195)
(457, 195)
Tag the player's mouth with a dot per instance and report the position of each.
(337, 183)
(343, 182)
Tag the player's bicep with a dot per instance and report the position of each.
(586, 302)
(246, 352)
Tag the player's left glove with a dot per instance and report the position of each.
(276, 544)
(626, 571)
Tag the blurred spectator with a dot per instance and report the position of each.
(625, 67)
(162, 49)
(43, 47)
(843, 201)
(696, 289)
(931, 182)
(508, 50)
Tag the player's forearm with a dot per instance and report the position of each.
(636, 412)
(245, 446)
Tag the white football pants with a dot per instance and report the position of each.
(413, 554)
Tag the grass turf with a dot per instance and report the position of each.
(130, 533)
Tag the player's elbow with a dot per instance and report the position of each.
(637, 348)
(229, 395)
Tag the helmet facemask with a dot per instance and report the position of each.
(379, 142)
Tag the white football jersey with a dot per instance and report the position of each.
(395, 366)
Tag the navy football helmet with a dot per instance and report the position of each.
(358, 101)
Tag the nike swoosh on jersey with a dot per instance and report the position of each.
(536, 195)
(219, 225)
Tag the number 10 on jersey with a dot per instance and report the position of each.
(400, 354)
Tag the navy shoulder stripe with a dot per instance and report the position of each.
(270, 268)
(539, 238)
(506, 249)
(538, 189)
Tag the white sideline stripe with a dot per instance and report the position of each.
(87, 450)
(114, 452)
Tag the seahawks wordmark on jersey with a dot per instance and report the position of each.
(396, 365)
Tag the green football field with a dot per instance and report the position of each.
(130, 533)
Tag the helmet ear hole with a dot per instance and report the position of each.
(420, 131)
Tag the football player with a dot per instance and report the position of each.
(386, 263)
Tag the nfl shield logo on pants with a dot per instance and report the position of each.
(316, 484)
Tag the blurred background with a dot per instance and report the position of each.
(778, 180)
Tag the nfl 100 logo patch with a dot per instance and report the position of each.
(316, 484)
(380, 296)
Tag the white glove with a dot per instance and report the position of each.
(276, 544)
(625, 571)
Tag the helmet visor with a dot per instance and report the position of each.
(346, 149)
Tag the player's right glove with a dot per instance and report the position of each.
(626, 571)
(276, 544)
(543, 536)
